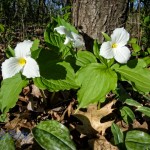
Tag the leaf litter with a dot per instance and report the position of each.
(86, 126)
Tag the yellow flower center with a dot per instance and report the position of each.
(114, 45)
(22, 61)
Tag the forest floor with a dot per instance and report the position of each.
(89, 128)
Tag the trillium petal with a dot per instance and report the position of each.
(122, 54)
(78, 43)
(23, 49)
(106, 50)
(120, 36)
(67, 40)
(10, 67)
(78, 40)
(31, 68)
(61, 30)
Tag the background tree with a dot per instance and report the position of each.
(95, 16)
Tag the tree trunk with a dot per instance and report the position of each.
(91, 17)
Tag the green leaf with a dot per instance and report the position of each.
(96, 49)
(117, 133)
(96, 81)
(132, 102)
(127, 114)
(148, 49)
(121, 93)
(53, 135)
(10, 90)
(137, 140)
(10, 52)
(144, 110)
(1, 28)
(133, 41)
(136, 47)
(147, 60)
(34, 49)
(53, 39)
(38, 82)
(35, 54)
(55, 74)
(147, 19)
(62, 77)
(6, 142)
(70, 27)
(84, 58)
(106, 36)
(35, 45)
(135, 74)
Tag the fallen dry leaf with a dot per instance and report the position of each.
(101, 144)
(35, 91)
(90, 119)
(135, 125)
(26, 90)
(13, 123)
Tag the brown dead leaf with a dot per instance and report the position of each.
(90, 119)
(24, 98)
(135, 125)
(35, 91)
(35, 105)
(101, 144)
(26, 90)
(13, 123)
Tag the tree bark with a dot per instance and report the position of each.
(91, 17)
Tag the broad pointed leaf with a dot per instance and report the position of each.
(137, 140)
(132, 102)
(53, 135)
(10, 90)
(138, 76)
(127, 114)
(52, 38)
(144, 110)
(96, 81)
(117, 133)
(84, 58)
(55, 74)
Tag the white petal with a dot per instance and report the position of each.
(120, 36)
(76, 36)
(78, 43)
(10, 67)
(67, 40)
(31, 68)
(122, 54)
(61, 30)
(23, 49)
(106, 50)
(78, 40)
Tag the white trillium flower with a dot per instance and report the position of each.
(116, 47)
(21, 62)
(70, 36)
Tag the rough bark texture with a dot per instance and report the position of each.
(92, 17)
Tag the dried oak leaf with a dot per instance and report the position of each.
(135, 125)
(90, 119)
(101, 144)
